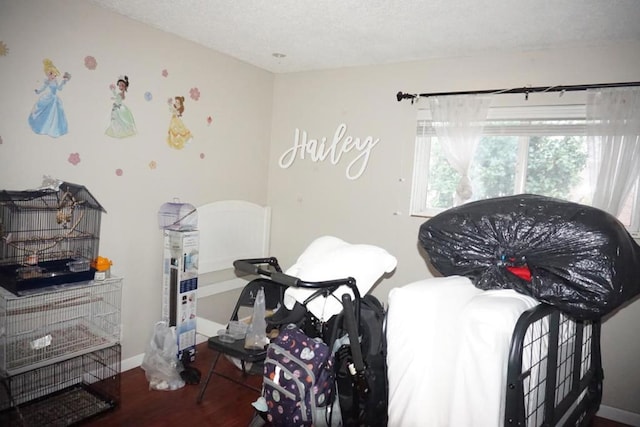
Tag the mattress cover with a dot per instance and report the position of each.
(448, 349)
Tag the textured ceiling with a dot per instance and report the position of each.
(321, 34)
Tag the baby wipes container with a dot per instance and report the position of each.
(177, 216)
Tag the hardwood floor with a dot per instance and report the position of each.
(225, 404)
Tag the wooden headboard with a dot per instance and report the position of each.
(231, 230)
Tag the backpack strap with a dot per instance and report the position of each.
(357, 371)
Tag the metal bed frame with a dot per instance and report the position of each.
(555, 370)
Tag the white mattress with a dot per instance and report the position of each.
(448, 349)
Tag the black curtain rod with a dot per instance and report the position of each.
(526, 90)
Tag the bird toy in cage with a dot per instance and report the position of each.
(66, 207)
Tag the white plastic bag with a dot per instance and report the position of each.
(256, 338)
(160, 362)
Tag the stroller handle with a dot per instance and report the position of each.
(254, 266)
(285, 279)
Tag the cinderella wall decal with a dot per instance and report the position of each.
(47, 116)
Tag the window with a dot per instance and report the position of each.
(538, 149)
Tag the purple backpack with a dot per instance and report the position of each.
(298, 380)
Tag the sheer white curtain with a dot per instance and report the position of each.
(613, 134)
(458, 122)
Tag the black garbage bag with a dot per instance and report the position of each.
(575, 257)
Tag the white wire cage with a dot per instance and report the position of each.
(58, 322)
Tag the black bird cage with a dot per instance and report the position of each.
(48, 236)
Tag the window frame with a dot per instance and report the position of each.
(425, 133)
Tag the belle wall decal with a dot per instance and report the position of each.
(318, 150)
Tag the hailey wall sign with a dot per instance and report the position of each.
(318, 150)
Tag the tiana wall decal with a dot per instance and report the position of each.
(122, 123)
(318, 150)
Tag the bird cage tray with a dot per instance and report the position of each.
(18, 278)
(65, 408)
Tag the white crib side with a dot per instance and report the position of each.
(229, 230)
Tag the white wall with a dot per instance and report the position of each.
(314, 198)
(235, 146)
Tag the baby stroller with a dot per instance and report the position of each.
(342, 359)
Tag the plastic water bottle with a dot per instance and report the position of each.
(256, 337)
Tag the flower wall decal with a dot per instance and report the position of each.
(194, 93)
(74, 158)
(119, 172)
(148, 96)
(209, 120)
(153, 164)
(90, 62)
(165, 73)
(4, 50)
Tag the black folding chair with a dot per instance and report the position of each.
(274, 294)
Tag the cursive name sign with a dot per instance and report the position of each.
(318, 150)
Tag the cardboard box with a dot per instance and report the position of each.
(179, 288)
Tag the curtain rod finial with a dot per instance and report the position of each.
(400, 96)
